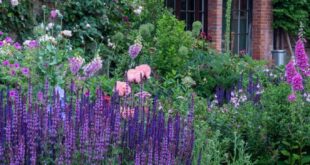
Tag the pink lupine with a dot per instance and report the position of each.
(290, 71)
(291, 97)
(297, 83)
(302, 60)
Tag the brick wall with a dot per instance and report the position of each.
(215, 16)
(262, 31)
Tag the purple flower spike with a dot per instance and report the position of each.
(134, 50)
(1, 43)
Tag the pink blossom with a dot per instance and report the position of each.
(290, 72)
(126, 112)
(54, 14)
(291, 97)
(143, 94)
(146, 69)
(134, 75)
(134, 50)
(297, 83)
(122, 88)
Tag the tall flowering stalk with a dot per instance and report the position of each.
(91, 68)
(296, 67)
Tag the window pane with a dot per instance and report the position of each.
(170, 3)
(190, 4)
(183, 4)
(190, 20)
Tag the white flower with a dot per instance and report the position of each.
(66, 33)
(50, 26)
(138, 10)
(88, 25)
(47, 38)
(26, 42)
(110, 44)
(14, 2)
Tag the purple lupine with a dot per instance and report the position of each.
(75, 63)
(150, 153)
(137, 156)
(134, 50)
(94, 66)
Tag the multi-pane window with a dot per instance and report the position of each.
(189, 11)
(241, 26)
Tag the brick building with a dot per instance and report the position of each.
(251, 23)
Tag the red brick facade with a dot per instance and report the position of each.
(262, 32)
(262, 29)
(215, 16)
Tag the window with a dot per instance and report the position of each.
(189, 11)
(241, 26)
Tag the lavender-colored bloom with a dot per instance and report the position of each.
(12, 72)
(16, 65)
(14, 3)
(40, 96)
(91, 68)
(18, 46)
(60, 92)
(134, 50)
(1, 33)
(297, 83)
(5, 62)
(25, 71)
(33, 44)
(1, 43)
(8, 40)
(75, 63)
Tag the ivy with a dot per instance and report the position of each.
(289, 13)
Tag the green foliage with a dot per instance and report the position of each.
(289, 13)
(18, 20)
(170, 36)
(210, 69)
